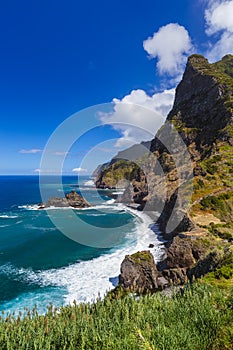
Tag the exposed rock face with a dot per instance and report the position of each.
(202, 116)
(139, 273)
(72, 199)
(183, 254)
(56, 202)
(180, 253)
(205, 265)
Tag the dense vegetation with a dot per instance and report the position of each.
(198, 318)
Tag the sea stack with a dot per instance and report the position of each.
(71, 199)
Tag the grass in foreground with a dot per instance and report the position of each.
(200, 318)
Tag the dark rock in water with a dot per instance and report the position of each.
(151, 245)
(76, 201)
(72, 199)
(139, 273)
(57, 202)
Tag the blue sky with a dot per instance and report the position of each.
(58, 57)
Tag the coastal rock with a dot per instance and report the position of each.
(183, 255)
(72, 199)
(76, 201)
(175, 277)
(203, 266)
(180, 254)
(56, 202)
(139, 273)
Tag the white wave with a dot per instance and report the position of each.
(84, 281)
(89, 183)
(43, 229)
(8, 216)
(97, 214)
(118, 192)
(29, 207)
(110, 201)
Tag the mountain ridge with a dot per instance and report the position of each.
(202, 118)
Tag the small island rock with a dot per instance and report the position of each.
(72, 199)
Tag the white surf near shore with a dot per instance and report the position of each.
(84, 281)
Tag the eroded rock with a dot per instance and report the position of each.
(139, 273)
(72, 199)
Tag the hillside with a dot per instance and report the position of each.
(194, 197)
(121, 166)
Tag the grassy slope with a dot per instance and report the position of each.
(199, 318)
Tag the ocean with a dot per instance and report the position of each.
(39, 265)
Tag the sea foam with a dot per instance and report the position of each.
(85, 281)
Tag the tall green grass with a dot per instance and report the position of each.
(199, 318)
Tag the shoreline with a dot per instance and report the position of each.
(85, 281)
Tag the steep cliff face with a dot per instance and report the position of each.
(203, 104)
(202, 116)
(187, 176)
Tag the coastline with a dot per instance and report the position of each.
(83, 280)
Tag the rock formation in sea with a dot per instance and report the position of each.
(202, 115)
(71, 199)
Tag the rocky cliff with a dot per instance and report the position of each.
(202, 115)
(188, 174)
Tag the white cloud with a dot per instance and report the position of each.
(57, 153)
(79, 170)
(219, 22)
(36, 171)
(219, 16)
(138, 116)
(31, 151)
(222, 47)
(38, 150)
(171, 45)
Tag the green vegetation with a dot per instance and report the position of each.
(224, 231)
(141, 256)
(198, 318)
(222, 277)
(221, 205)
(120, 170)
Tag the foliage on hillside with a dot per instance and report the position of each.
(198, 318)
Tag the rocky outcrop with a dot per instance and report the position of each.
(187, 259)
(72, 199)
(183, 255)
(139, 273)
(208, 264)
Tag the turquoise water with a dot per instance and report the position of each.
(40, 265)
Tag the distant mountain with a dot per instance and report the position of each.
(127, 157)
